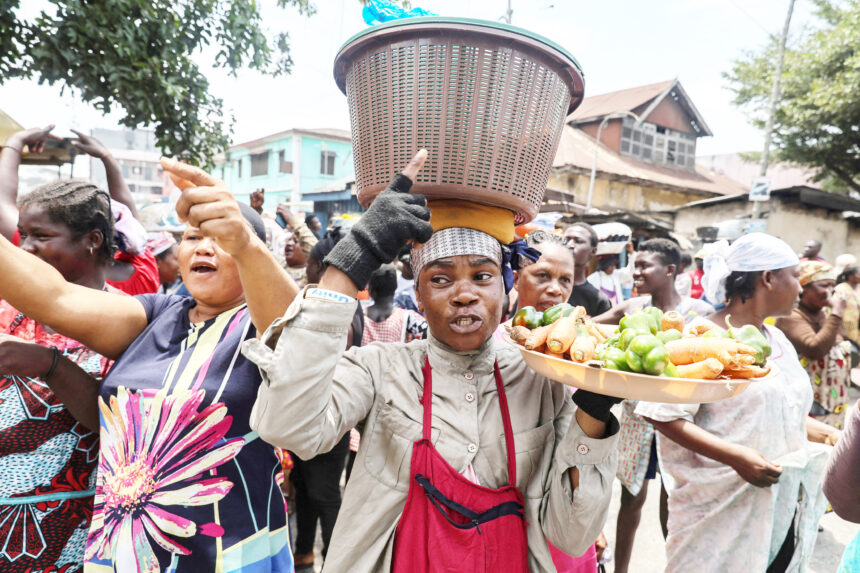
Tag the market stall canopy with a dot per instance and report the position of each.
(58, 150)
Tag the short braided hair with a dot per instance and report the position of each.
(79, 205)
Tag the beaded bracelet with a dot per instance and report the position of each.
(20, 152)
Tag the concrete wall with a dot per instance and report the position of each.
(612, 195)
(688, 220)
(791, 221)
(796, 223)
(304, 151)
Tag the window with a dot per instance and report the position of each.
(239, 168)
(327, 162)
(286, 166)
(658, 144)
(260, 164)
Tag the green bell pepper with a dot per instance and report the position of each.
(654, 313)
(613, 342)
(553, 313)
(614, 359)
(627, 337)
(639, 321)
(751, 336)
(647, 354)
(716, 333)
(669, 335)
(671, 371)
(529, 317)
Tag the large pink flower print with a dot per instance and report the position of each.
(155, 450)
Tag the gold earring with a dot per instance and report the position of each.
(91, 251)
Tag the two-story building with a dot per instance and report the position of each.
(137, 154)
(645, 157)
(296, 166)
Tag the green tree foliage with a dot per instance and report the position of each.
(138, 55)
(817, 121)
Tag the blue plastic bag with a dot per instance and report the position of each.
(379, 11)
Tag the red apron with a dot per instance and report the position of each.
(451, 524)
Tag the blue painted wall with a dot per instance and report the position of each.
(279, 185)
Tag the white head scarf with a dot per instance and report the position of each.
(752, 252)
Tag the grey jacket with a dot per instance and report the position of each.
(313, 393)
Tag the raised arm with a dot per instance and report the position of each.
(808, 342)
(296, 221)
(103, 321)
(208, 205)
(117, 186)
(10, 158)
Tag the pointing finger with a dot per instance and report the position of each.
(179, 181)
(415, 164)
(195, 175)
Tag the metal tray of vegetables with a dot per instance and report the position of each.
(649, 356)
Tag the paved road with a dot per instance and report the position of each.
(649, 554)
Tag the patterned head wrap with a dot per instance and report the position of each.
(455, 241)
(466, 228)
(812, 271)
(751, 253)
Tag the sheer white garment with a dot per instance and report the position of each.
(717, 521)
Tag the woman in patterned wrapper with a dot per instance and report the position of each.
(48, 452)
(183, 484)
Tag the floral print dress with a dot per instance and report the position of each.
(47, 461)
(184, 485)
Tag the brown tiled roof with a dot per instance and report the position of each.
(576, 151)
(623, 100)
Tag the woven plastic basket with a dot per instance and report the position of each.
(488, 101)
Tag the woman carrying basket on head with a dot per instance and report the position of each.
(470, 460)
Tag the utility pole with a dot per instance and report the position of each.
(510, 13)
(774, 101)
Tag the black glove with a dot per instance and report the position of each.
(595, 405)
(394, 218)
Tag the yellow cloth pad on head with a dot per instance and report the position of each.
(497, 222)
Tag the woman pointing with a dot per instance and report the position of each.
(471, 461)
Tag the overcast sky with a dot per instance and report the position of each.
(619, 44)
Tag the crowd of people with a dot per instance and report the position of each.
(168, 401)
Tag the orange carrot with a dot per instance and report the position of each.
(519, 334)
(537, 337)
(707, 369)
(562, 335)
(672, 319)
(689, 350)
